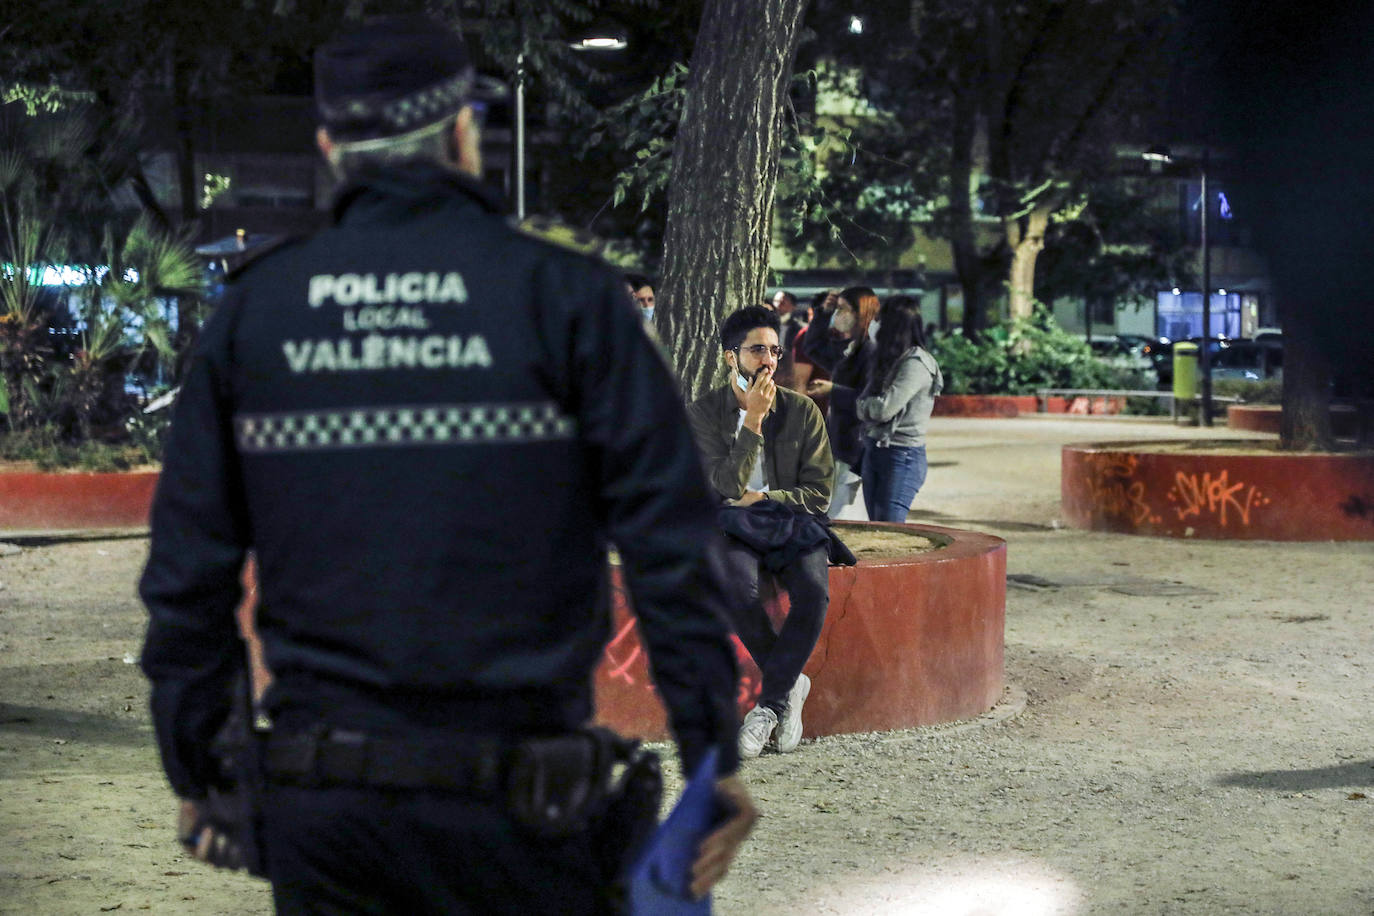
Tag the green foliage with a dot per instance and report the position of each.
(1113, 243)
(853, 189)
(646, 122)
(1022, 356)
(65, 351)
(37, 99)
(1250, 391)
(533, 35)
(49, 449)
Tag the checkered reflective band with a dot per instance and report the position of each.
(422, 424)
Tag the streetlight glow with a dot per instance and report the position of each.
(600, 43)
(856, 25)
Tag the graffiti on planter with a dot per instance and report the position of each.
(620, 653)
(624, 648)
(748, 690)
(1198, 494)
(1114, 491)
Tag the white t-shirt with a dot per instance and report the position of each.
(756, 475)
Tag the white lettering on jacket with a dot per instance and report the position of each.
(368, 289)
(378, 352)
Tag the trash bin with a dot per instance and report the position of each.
(1185, 376)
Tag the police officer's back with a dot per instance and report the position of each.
(427, 425)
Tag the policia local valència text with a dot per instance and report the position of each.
(391, 302)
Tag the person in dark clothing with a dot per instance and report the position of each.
(841, 345)
(803, 369)
(427, 425)
(791, 321)
(764, 443)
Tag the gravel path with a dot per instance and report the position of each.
(1186, 731)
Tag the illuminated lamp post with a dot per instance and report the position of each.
(599, 38)
(1204, 357)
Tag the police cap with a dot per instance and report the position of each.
(389, 76)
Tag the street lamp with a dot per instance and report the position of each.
(1204, 357)
(600, 37)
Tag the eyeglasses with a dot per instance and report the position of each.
(759, 350)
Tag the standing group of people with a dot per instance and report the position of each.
(879, 396)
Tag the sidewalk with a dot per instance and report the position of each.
(1187, 731)
(1194, 737)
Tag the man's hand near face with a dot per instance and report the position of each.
(758, 399)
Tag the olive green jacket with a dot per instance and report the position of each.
(796, 449)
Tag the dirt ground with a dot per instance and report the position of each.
(1186, 730)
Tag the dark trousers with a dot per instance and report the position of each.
(350, 851)
(781, 654)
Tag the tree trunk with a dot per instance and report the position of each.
(1305, 422)
(1026, 242)
(962, 239)
(725, 168)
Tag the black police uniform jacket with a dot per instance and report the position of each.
(427, 425)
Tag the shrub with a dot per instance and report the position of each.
(1250, 391)
(51, 449)
(1024, 355)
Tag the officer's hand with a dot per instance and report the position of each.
(203, 840)
(819, 387)
(758, 400)
(718, 850)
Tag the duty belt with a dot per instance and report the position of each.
(342, 758)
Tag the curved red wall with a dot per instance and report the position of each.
(56, 502)
(1265, 418)
(1279, 496)
(906, 642)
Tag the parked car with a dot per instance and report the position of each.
(1248, 359)
(1126, 354)
(1158, 350)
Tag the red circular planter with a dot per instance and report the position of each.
(1281, 496)
(70, 502)
(908, 641)
(1265, 418)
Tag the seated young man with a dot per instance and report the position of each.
(764, 442)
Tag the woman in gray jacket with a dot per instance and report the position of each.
(895, 409)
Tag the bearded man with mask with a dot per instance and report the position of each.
(763, 444)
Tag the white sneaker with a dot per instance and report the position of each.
(790, 731)
(758, 727)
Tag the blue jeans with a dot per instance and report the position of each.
(892, 476)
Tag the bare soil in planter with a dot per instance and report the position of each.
(884, 543)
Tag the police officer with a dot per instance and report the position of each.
(427, 425)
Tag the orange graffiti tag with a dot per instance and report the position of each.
(1217, 496)
(1113, 492)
